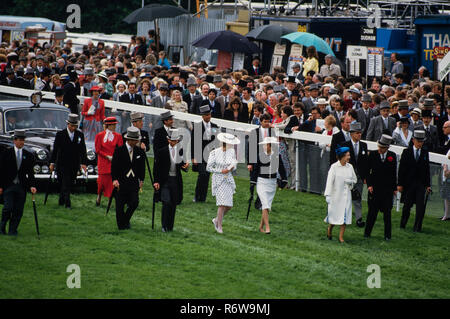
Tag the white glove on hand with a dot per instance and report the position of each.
(91, 110)
(328, 199)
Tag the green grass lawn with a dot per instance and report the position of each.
(295, 261)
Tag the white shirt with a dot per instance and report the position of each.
(71, 134)
(130, 149)
(172, 156)
(207, 130)
(166, 128)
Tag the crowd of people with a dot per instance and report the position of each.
(409, 110)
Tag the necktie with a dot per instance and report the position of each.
(71, 137)
(131, 154)
(417, 155)
(383, 157)
(18, 159)
(356, 151)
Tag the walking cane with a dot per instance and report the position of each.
(426, 200)
(35, 215)
(252, 191)
(110, 200)
(154, 191)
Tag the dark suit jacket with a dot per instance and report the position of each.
(196, 103)
(161, 172)
(127, 99)
(160, 139)
(242, 116)
(9, 169)
(337, 140)
(411, 172)
(251, 71)
(70, 97)
(361, 165)
(187, 98)
(121, 165)
(365, 121)
(20, 82)
(293, 122)
(382, 176)
(199, 132)
(67, 154)
(431, 137)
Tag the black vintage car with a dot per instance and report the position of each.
(41, 124)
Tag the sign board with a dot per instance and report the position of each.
(375, 61)
(280, 49)
(276, 61)
(291, 61)
(368, 36)
(444, 67)
(301, 28)
(356, 52)
(238, 61)
(6, 25)
(296, 50)
(440, 52)
(356, 56)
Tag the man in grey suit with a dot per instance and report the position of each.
(308, 102)
(365, 114)
(160, 102)
(381, 124)
(338, 112)
(431, 132)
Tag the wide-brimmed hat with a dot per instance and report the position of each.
(385, 140)
(403, 104)
(174, 135)
(419, 135)
(191, 81)
(366, 98)
(417, 111)
(269, 140)
(166, 115)
(355, 90)
(204, 109)
(110, 120)
(342, 150)
(133, 133)
(321, 101)
(136, 116)
(73, 118)
(19, 134)
(228, 138)
(385, 105)
(95, 88)
(355, 127)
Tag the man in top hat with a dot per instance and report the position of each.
(414, 179)
(168, 180)
(19, 81)
(365, 114)
(8, 77)
(308, 102)
(71, 90)
(69, 153)
(137, 120)
(431, 132)
(444, 116)
(105, 144)
(191, 92)
(381, 124)
(160, 137)
(403, 110)
(16, 178)
(197, 101)
(290, 85)
(218, 82)
(329, 68)
(59, 96)
(128, 173)
(202, 137)
(359, 159)
(381, 185)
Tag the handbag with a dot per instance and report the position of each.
(356, 195)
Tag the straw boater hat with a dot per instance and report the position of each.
(110, 120)
(321, 101)
(174, 135)
(416, 111)
(419, 135)
(19, 134)
(269, 140)
(385, 141)
(133, 133)
(228, 139)
(73, 119)
(136, 116)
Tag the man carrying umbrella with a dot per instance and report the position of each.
(17, 176)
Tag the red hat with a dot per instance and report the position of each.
(95, 88)
(110, 120)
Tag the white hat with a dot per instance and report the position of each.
(269, 140)
(321, 101)
(121, 83)
(228, 138)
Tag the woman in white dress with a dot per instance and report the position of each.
(402, 134)
(340, 181)
(221, 162)
(269, 166)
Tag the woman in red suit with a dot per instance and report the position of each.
(93, 113)
(105, 144)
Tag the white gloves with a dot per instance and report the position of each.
(91, 110)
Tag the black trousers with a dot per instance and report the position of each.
(14, 200)
(201, 189)
(66, 179)
(127, 195)
(372, 217)
(414, 194)
(169, 205)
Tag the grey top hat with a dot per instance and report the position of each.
(174, 135)
(313, 87)
(278, 88)
(366, 98)
(428, 103)
(204, 109)
(9, 71)
(355, 127)
(403, 104)
(163, 86)
(385, 140)
(419, 135)
(136, 116)
(29, 70)
(88, 71)
(191, 81)
(217, 78)
(166, 115)
(385, 105)
(73, 119)
(355, 90)
(133, 133)
(333, 91)
(19, 133)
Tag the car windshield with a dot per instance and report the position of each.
(36, 118)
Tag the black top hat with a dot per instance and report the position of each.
(427, 113)
(19, 134)
(291, 79)
(184, 74)
(59, 91)
(403, 104)
(242, 83)
(209, 78)
(404, 119)
(166, 115)
(204, 109)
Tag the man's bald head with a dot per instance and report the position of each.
(446, 128)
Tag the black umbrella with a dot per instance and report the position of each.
(154, 11)
(228, 41)
(269, 32)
